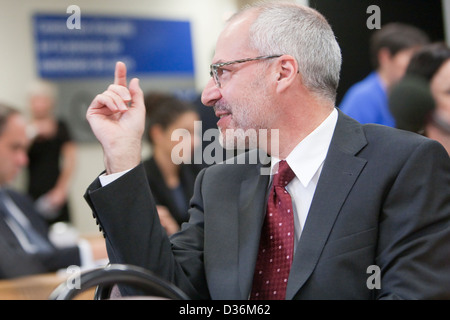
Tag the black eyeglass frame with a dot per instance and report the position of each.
(215, 66)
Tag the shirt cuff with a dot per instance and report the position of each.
(106, 179)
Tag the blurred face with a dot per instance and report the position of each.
(13, 149)
(243, 101)
(440, 89)
(190, 139)
(395, 65)
(41, 106)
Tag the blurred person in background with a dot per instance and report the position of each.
(25, 245)
(170, 172)
(52, 155)
(391, 49)
(420, 102)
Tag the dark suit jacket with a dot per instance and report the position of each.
(15, 261)
(162, 193)
(382, 200)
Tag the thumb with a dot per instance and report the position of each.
(137, 96)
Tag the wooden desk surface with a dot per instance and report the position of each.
(36, 287)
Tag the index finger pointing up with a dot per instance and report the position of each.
(120, 74)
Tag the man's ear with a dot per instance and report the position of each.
(287, 72)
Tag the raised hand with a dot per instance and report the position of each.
(117, 118)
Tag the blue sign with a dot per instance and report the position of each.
(148, 46)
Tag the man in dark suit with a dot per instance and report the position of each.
(25, 247)
(371, 207)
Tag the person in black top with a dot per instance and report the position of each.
(52, 156)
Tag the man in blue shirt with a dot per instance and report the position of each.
(391, 49)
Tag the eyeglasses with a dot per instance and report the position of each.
(216, 68)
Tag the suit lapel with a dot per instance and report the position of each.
(252, 207)
(8, 237)
(340, 171)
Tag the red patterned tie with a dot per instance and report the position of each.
(276, 247)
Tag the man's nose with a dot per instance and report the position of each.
(211, 94)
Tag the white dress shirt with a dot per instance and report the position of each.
(306, 160)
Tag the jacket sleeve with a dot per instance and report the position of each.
(414, 240)
(126, 212)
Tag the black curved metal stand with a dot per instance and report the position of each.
(105, 278)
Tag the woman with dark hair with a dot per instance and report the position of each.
(420, 102)
(170, 169)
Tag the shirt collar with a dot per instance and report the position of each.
(307, 157)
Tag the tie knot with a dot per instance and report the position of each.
(284, 175)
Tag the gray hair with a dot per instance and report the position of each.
(302, 32)
(43, 88)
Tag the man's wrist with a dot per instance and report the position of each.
(123, 159)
